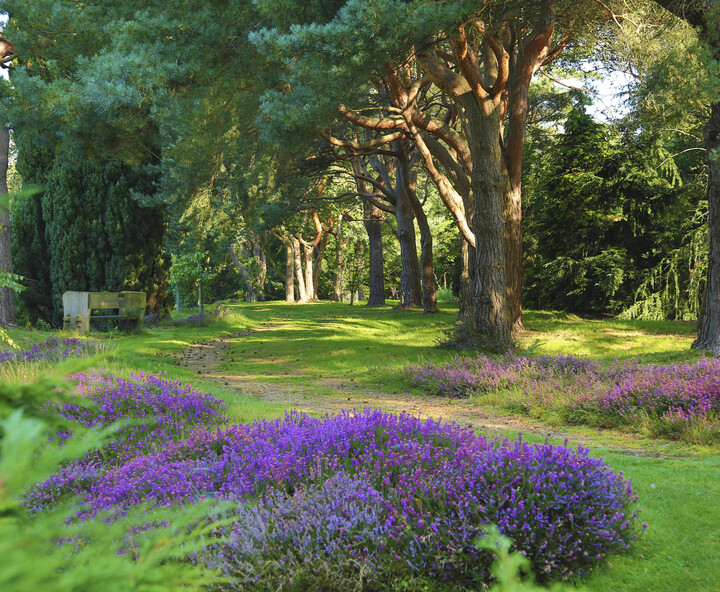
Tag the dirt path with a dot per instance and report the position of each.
(205, 359)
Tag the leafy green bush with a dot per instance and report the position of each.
(43, 552)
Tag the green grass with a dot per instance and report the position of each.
(313, 345)
(658, 342)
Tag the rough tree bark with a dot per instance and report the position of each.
(410, 291)
(289, 271)
(467, 261)
(7, 296)
(429, 296)
(319, 255)
(481, 112)
(489, 290)
(339, 258)
(308, 252)
(373, 219)
(299, 277)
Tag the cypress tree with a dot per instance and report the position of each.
(88, 233)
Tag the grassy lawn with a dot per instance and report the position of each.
(314, 344)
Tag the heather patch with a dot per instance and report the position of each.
(464, 377)
(674, 400)
(371, 496)
(52, 349)
(152, 410)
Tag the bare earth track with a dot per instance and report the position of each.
(206, 359)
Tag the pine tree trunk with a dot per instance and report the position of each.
(429, 295)
(410, 293)
(299, 277)
(308, 251)
(373, 226)
(7, 295)
(512, 205)
(709, 332)
(489, 290)
(289, 272)
(339, 257)
(467, 262)
(317, 263)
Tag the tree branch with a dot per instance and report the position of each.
(468, 64)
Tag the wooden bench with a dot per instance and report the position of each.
(127, 307)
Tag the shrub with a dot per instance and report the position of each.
(465, 376)
(53, 349)
(34, 560)
(676, 400)
(381, 495)
(152, 320)
(155, 411)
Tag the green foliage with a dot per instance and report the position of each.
(511, 571)
(30, 256)
(87, 232)
(11, 281)
(675, 287)
(607, 222)
(44, 552)
(329, 60)
(190, 271)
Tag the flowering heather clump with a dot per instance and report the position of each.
(677, 400)
(678, 396)
(158, 411)
(380, 494)
(464, 376)
(334, 533)
(52, 349)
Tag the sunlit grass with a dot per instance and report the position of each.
(552, 333)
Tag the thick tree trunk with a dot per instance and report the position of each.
(429, 295)
(512, 206)
(467, 263)
(410, 292)
(299, 277)
(309, 251)
(289, 271)
(373, 219)
(709, 332)
(518, 86)
(489, 290)
(339, 258)
(317, 263)
(7, 295)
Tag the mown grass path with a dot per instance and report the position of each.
(214, 360)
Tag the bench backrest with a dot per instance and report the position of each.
(116, 300)
(79, 305)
